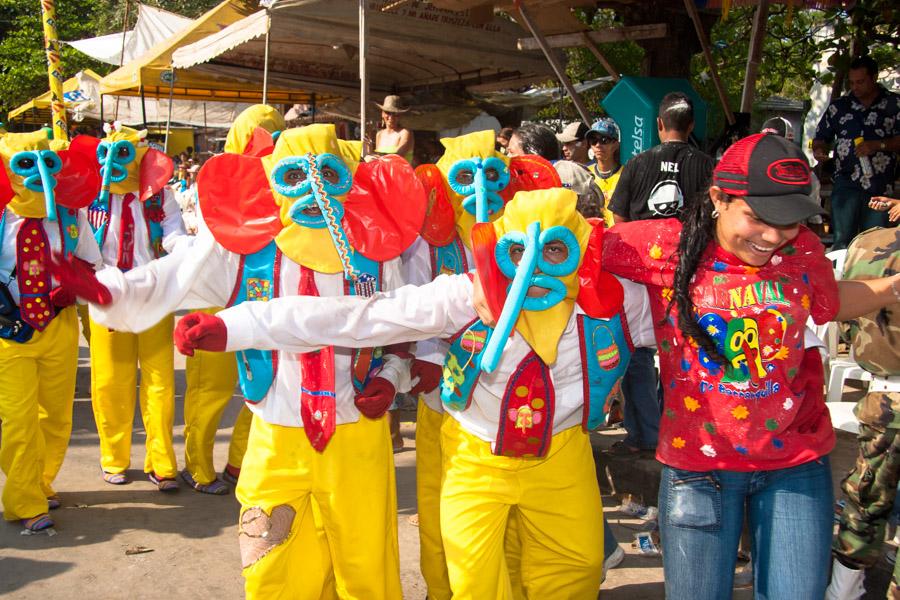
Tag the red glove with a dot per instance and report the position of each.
(376, 398)
(200, 331)
(79, 279)
(429, 375)
(61, 297)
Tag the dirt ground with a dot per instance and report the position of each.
(118, 542)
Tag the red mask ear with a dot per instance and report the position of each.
(156, 171)
(600, 294)
(493, 281)
(6, 190)
(439, 227)
(236, 202)
(530, 172)
(78, 182)
(260, 143)
(384, 210)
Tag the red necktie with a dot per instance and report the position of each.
(125, 259)
(317, 401)
(32, 258)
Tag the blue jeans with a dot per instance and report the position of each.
(642, 405)
(850, 212)
(790, 515)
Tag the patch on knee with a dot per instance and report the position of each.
(260, 533)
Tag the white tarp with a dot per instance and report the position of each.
(186, 112)
(153, 26)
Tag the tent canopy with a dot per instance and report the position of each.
(153, 25)
(410, 45)
(153, 74)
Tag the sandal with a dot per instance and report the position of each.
(38, 523)
(53, 502)
(230, 474)
(163, 484)
(116, 478)
(216, 487)
(413, 520)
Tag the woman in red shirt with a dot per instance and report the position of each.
(732, 284)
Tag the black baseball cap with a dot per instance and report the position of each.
(772, 175)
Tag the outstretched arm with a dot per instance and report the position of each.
(304, 323)
(860, 297)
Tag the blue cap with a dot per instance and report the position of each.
(604, 127)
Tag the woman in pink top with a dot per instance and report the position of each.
(732, 284)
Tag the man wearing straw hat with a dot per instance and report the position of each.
(394, 138)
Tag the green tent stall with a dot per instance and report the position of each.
(634, 103)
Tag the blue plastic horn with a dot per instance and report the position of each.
(38, 168)
(514, 299)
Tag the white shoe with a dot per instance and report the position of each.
(615, 559)
(846, 583)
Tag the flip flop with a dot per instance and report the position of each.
(230, 474)
(163, 484)
(116, 478)
(216, 487)
(38, 523)
(53, 502)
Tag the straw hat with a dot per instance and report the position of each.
(392, 104)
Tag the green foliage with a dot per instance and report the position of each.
(23, 63)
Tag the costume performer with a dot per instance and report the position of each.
(42, 186)
(135, 220)
(469, 176)
(305, 220)
(212, 376)
(518, 406)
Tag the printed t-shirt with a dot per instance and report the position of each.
(765, 409)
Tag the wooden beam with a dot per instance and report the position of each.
(707, 53)
(599, 56)
(555, 64)
(600, 36)
(757, 36)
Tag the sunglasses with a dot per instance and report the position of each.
(602, 140)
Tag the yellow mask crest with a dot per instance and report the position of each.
(132, 182)
(258, 115)
(312, 248)
(551, 208)
(26, 202)
(479, 144)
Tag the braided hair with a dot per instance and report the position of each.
(698, 230)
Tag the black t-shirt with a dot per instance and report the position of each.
(655, 184)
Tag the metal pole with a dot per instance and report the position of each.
(205, 129)
(54, 71)
(266, 59)
(313, 109)
(554, 63)
(753, 55)
(363, 74)
(101, 108)
(143, 107)
(122, 53)
(169, 116)
(704, 43)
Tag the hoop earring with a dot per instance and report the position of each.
(715, 213)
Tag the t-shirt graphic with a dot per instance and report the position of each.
(665, 199)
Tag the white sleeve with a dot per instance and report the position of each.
(87, 248)
(198, 275)
(395, 369)
(417, 270)
(172, 225)
(305, 323)
(638, 315)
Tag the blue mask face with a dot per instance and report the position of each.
(533, 269)
(37, 168)
(479, 181)
(114, 158)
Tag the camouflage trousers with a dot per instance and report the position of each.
(870, 489)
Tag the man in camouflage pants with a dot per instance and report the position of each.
(871, 486)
